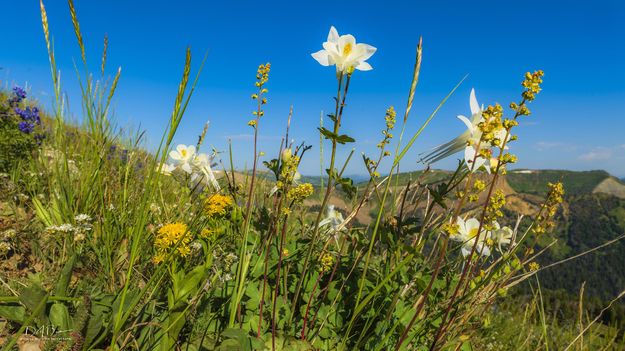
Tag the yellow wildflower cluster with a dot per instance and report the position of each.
(451, 229)
(492, 125)
(493, 210)
(326, 261)
(544, 221)
(533, 266)
(300, 192)
(288, 171)
(476, 189)
(167, 237)
(262, 74)
(532, 84)
(217, 205)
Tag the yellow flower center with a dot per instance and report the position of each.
(472, 233)
(347, 49)
(183, 152)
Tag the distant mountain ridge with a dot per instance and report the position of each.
(526, 181)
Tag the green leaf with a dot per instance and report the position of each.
(59, 316)
(253, 294)
(327, 134)
(31, 297)
(64, 277)
(13, 313)
(191, 282)
(342, 139)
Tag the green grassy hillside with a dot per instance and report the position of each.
(532, 182)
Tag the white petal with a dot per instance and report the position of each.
(322, 57)
(469, 155)
(186, 167)
(466, 122)
(483, 249)
(175, 155)
(368, 51)
(344, 40)
(462, 225)
(475, 107)
(191, 150)
(333, 35)
(471, 224)
(479, 162)
(466, 250)
(364, 66)
(325, 222)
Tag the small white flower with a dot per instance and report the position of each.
(501, 236)
(82, 218)
(196, 245)
(334, 218)
(183, 155)
(344, 52)
(468, 234)
(202, 162)
(65, 228)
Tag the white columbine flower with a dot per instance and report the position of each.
(344, 52)
(202, 162)
(334, 218)
(183, 155)
(468, 234)
(472, 135)
(501, 236)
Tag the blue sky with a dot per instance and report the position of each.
(578, 121)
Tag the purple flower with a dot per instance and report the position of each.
(29, 114)
(26, 127)
(19, 95)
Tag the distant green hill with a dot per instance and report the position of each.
(535, 181)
